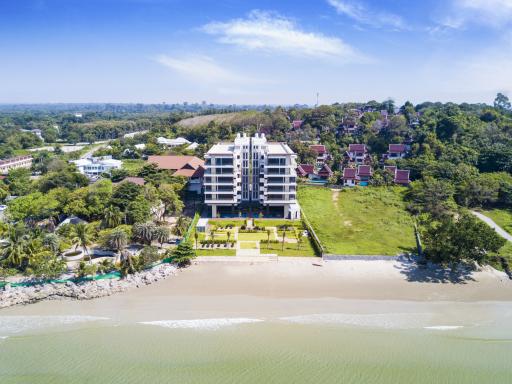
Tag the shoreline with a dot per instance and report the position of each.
(287, 280)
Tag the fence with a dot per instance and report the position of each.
(316, 241)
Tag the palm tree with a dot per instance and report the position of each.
(268, 238)
(161, 234)
(284, 235)
(14, 250)
(118, 240)
(52, 242)
(228, 234)
(112, 217)
(298, 236)
(127, 265)
(212, 234)
(144, 232)
(82, 237)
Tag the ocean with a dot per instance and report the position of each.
(314, 348)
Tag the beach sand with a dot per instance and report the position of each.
(292, 286)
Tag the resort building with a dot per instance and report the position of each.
(357, 176)
(251, 177)
(396, 151)
(322, 155)
(93, 167)
(15, 162)
(190, 167)
(400, 176)
(357, 153)
(172, 142)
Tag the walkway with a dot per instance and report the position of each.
(500, 231)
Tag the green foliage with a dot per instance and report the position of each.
(183, 254)
(451, 241)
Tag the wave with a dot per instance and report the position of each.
(375, 320)
(208, 324)
(444, 327)
(19, 324)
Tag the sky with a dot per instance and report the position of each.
(254, 52)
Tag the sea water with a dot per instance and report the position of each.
(319, 348)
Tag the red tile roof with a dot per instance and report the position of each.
(402, 176)
(297, 124)
(188, 166)
(364, 170)
(325, 171)
(397, 148)
(319, 149)
(349, 173)
(306, 169)
(357, 148)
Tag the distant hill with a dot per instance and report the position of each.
(234, 118)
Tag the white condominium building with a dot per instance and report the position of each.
(93, 167)
(251, 176)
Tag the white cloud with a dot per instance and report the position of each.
(201, 68)
(494, 13)
(363, 15)
(270, 32)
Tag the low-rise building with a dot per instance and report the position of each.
(306, 170)
(322, 155)
(357, 176)
(15, 162)
(325, 172)
(172, 142)
(190, 167)
(400, 176)
(296, 124)
(396, 151)
(357, 153)
(93, 167)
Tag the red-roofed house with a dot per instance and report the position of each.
(357, 153)
(400, 176)
(322, 155)
(349, 177)
(325, 172)
(396, 151)
(190, 167)
(357, 176)
(306, 170)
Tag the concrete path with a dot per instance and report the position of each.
(500, 231)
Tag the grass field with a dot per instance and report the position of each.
(248, 245)
(255, 236)
(502, 217)
(133, 166)
(277, 223)
(306, 249)
(359, 221)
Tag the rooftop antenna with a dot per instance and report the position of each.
(317, 95)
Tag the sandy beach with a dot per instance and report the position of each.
(288, 287)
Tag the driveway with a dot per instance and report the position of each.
(500, 231)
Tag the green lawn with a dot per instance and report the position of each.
(248, 245)
(277, 223)
(359, 221)
(215, 252)
(502, 217)
(255, 236)
(133, 166)
(306, 249)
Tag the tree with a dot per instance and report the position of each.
(268, 238)
(45, 264)
(196, 237)
(144, 232)
(138, 210)
(161, 234)
(117, 240)
(170, 199)
(502, 102)
(113, 217)
(52, 242)
(183, 254)
(82, 236)
(13, 252)
(284, 237)
(298, 236)
(451, 241)
(431, 196)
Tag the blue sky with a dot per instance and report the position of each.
(277, 52)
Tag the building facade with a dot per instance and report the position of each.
(93, 167)
(15, 162)
(251, 177)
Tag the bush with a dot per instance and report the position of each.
(148, 256)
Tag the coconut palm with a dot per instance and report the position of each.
(82, 236)
(52, 242)
(268, 238)
(144, 232)
(117, 240)
(284, 236)
(127, 263)
(228, 234)
(298, 236)
(161, 234)
(196, 237)
(14, 249)
(112, 217)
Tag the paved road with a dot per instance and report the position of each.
(492, 224)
